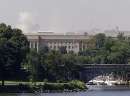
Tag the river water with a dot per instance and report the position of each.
(87, 93)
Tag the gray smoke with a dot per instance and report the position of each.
(26, 23)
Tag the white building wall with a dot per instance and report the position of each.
(71, 42)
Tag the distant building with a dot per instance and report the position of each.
(54, 41)
(116, 31)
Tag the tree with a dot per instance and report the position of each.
(121, 36)
(100, 40)
(33, 62)
(69, 62)
(63, 50)
(120, 52)
(13, 50)
(52, 65)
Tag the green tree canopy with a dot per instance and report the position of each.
(13, 49)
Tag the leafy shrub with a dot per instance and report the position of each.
(76, 84)
(53, 86)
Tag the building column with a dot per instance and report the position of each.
(33, 44)
(30, 44)
(37, 46)
(82, 46)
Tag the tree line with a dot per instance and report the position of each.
(18, 62)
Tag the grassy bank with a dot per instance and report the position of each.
(16, 87)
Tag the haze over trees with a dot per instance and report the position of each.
(62, 66)
(17, 62)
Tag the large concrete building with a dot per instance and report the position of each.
(54, 41)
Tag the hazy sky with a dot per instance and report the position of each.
(66, 15)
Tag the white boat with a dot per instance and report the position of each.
(105, 82)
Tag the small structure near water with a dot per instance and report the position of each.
(107, 83)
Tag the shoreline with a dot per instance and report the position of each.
(46, 87)
(30, 90)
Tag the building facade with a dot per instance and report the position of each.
(55, 41)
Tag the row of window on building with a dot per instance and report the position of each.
(70, 46)
(67, 45)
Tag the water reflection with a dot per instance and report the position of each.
(87, 93)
